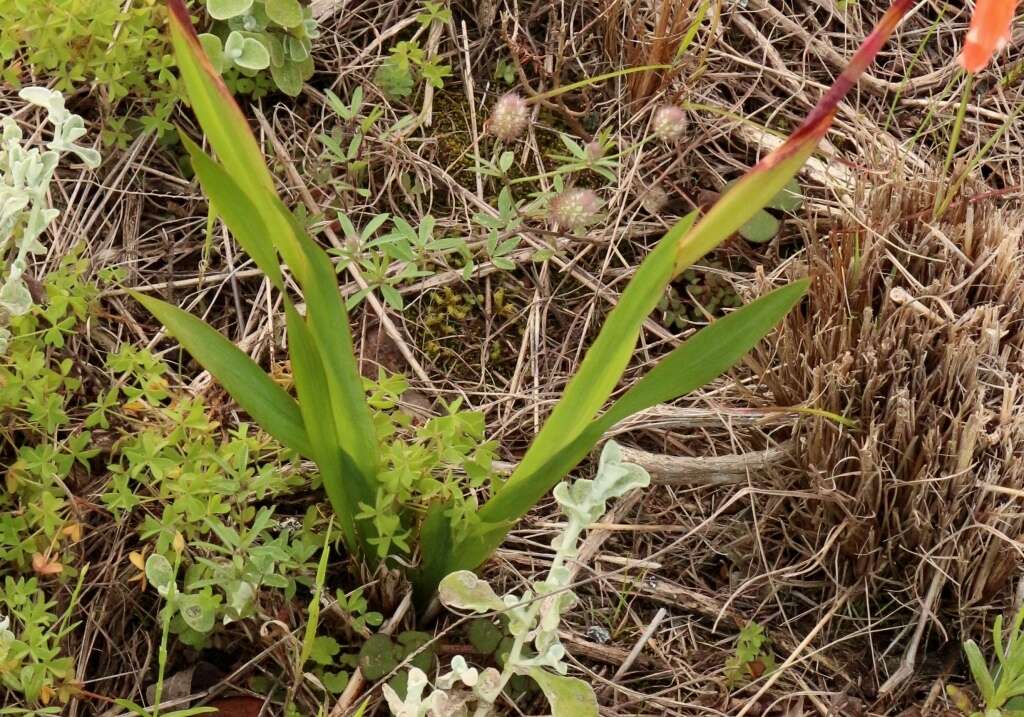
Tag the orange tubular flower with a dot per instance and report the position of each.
(989, 33)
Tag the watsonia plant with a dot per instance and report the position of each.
(574, 426)
(331, 423)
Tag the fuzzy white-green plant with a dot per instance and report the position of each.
(533, 617)
(25, 175)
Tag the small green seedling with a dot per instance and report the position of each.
(696, 296)
(752, 659)
(505, 71)
(406, 64)
(1001, 686)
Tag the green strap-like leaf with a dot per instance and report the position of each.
(609, 355)
(269, 404)
(701, 358)
(741, 202)
(239, 214)
(221, 119)
(708, 353)
(328, 323)
(979, 670)
(344, 489)
(236, 148)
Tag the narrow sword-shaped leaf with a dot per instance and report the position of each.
(220, 117)
(608, 356)
(263, 228)
(746, 197)
(770, 175)
(238, 212)
(238, 151)
(344, 491)
(701, 358)
(269, 404)
(328, 323)
(708, 353)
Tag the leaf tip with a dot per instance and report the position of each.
(180, 19)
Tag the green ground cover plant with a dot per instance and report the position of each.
(172, 476)
(118, 48)
(121, 50)
(207, 523)
(408, 63)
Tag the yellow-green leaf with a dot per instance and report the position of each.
(269, 404)
(608, 356)
(221, 118)
(239, 213)
(344, 488)
(701, 358)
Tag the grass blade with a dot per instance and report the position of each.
(269, 404)
(313, 614)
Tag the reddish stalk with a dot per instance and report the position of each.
(816, 124)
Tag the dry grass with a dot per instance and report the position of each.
(862, 550)
(913, 330)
